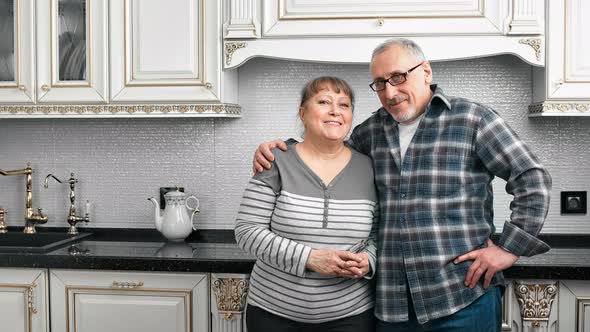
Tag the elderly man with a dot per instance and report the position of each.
(434, 158)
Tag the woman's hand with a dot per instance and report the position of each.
(338, 263)
(263, 156)
(359, 268)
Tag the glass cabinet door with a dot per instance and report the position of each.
(16, 58)
(71, 48)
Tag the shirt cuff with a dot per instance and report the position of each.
(521, 243)
(301, 269)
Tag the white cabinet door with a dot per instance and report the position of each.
(89, 301)
(563, 88)
(23, 300)
(165, 51)
(568, 51)
(574, 305)
(283, 18)
(72, 51)
(17, 52)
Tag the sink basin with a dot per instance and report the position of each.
(38, 242)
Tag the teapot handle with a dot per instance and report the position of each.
(193, 209)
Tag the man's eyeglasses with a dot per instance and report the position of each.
(395, 79)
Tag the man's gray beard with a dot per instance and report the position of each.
(409, 114)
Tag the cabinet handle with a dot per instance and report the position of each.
(45, 87)
(127, 284)
(22, 87)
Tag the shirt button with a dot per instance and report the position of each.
(403, 195)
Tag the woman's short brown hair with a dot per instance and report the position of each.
(336, 84)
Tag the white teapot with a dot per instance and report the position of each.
(175, 224)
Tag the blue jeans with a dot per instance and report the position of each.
(483, 315)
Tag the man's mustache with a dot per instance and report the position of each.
(395, 100)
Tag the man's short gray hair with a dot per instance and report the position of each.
(408, 45)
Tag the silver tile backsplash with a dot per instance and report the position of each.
(121, 162)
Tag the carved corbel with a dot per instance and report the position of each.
(535, 302)
(230, 48)
(535, 43)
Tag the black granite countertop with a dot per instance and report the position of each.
(216, 251)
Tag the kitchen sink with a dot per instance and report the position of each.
(38, 242)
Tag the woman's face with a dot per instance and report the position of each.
(327, 115)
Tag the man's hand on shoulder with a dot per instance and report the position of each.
(263, 156)
(486, 262)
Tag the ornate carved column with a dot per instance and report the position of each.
(241, 19)
(230, 292)
(535, 300)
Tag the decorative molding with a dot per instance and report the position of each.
(535, 43)
(563, 108)
(230, 48)
(535, 301)
(526, 17)
(230, 296)
(121, 110)
(241, 19)
(31, 299)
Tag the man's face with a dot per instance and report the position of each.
(406, 101)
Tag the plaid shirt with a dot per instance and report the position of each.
(437, 204)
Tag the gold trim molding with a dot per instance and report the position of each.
(230, 296)
(230, 48)
(535, 43)
(123, 110)
(557, 108)
(535, 301)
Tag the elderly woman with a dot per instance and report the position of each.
(310, 222)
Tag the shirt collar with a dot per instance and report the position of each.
(437, 95)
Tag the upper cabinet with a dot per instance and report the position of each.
(165, 50)
(17, 51)
(563, 88)
(115, 58)
(71, 51)
(347, 32)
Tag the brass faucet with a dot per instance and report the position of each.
(31, 218)
(73, 219)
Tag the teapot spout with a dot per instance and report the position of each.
(157, 216)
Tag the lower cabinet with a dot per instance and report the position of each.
(89, 301)
(574, 305)
(23, 300)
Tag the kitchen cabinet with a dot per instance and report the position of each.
(116, 58)
(167, 51)
(17, 51)
(563, 88)
(332, 31)
(67, 39)
(574, 305)
(128, 301)
(23, 300)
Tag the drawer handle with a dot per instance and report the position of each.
(127, 284)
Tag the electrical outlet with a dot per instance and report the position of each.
(164, 190)
(573, 202)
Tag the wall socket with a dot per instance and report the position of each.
(573, 202)
(164, 190)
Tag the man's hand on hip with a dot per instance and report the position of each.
(486, 262)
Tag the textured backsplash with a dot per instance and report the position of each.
(121, 162)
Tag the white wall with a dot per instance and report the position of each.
(121, 162)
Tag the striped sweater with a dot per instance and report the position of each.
(285, 213)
